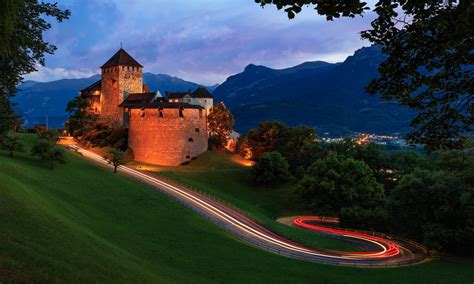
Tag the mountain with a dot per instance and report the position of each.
(330, 97)
(165, 83)
(38, 101)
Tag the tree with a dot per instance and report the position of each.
(272, 168)
(7, 116)
(11, 143)
(48, 153)
(51, 135)
(77, 109)
(299, 147)
(335, 182)
(220, 122)
(374, 218)
(22, 47)
(405, 162)
(102, 135)
(429, 60)
(436, 207)
(371, 154)
(260, 140)
(116, 157)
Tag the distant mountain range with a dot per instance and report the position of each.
(330, 97)
(41, 101)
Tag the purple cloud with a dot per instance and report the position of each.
(203, 41)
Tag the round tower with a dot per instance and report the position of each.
(121, 74)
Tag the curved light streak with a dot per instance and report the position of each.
(388, 248)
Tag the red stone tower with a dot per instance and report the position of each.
(120, 74)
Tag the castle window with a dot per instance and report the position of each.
(96, 110)
(196, 129)
(188, 157)
(160, 112)
(181, 112)
(142, 114)
(191, 140)
(200, 113)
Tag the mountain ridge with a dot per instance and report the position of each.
(37, 100)
(328, 96)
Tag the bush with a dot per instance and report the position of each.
(11, 143)
(335, 182)
(48, 153)
(270, 169)
(435, 207)
(102, 135)
(363, 218)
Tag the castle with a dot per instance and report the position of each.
(163, 130)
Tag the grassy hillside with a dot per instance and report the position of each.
(82, 223)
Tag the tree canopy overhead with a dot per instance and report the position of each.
(22, 47)
(429, 68)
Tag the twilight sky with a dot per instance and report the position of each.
(203, 41)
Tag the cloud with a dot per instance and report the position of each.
(203, 41)
(46, 74)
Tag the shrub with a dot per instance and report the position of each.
(271, 168)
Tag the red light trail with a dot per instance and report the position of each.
(388, 254)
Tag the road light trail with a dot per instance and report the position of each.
(388, 253)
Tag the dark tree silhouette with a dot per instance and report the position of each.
(22, 23)
(11, 143)
(429, 67)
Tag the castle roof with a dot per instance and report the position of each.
(162, 104)
(121, 57)
(137, 98)
(177, 95)
(88, 91)
(146, 89)
(201, 92)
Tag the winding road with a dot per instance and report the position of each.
(382, 250)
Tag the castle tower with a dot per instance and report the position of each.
(121, 74)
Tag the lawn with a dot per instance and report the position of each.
(217, 175)
(82, 223)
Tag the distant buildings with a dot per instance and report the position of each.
(362, 138)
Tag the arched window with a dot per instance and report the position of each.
(160, 112)
(181, 112)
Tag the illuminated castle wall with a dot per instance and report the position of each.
(161, 131)
(170, 138)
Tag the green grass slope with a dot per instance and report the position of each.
(82, 223)
(216, 174)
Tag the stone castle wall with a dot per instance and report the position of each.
(169, 140)
(115, 81)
